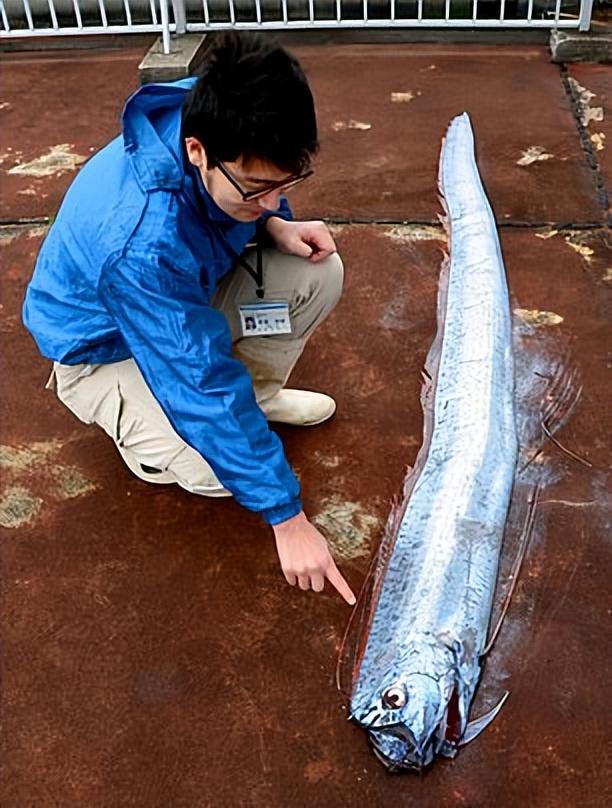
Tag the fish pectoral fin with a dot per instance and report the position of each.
(474, 728)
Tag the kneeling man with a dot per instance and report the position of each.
(163, 327)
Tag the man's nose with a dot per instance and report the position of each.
(269, 201)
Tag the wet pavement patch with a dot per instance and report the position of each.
(56, 161)
(24, 457)
(348, 526)
(537, 318)
(18, 507)
(408, 233)
(71, 482)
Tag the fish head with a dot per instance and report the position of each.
(407, 714)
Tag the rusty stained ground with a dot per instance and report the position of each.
(151, 653)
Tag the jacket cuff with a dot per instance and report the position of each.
(283, 212)
(274, 516)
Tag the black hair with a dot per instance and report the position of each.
(252, 99)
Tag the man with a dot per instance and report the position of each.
(162, 330)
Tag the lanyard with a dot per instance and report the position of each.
(257, 273)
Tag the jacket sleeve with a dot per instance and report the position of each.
(183, 348)
(283, 212)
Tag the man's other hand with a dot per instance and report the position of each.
(311, 240)
(305, 558)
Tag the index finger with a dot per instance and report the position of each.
(335, 578)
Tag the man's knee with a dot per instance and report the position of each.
(324, 281)
(332, 278)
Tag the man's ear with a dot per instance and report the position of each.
(196, 153)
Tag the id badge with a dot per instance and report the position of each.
(265, 318)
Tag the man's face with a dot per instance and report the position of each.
(252, 176)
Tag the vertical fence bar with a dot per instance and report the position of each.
(311, 11)
(475, 11)
(103, 13)
(338, 11)
(502, 10)
(128, 12)
(51, 5)
(447, 10)
(153, 12)
(530, 11)
(77, 13)
(586, 10)
(5, 21)
(365, 10)
(420, 12)
(232, 12)
(206, 14)
(28, 13)
(258, 11)
(392, 10)
(557, 10)
(180, 16)
(285, 15)
(163, 7)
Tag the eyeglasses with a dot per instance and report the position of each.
(281, 185)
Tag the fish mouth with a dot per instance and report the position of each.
(397, 750)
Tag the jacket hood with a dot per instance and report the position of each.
(144, 138)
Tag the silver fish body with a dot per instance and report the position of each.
(421, 663)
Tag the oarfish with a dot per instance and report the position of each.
(416, 678)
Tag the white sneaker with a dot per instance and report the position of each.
(299, 407)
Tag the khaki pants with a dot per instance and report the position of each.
(116, 397)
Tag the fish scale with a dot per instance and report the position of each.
(421, 664)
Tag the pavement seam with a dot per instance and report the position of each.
(586, 145)
(26, 224)
(505, 223)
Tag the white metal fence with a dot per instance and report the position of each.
(21, 18)
(37, 18)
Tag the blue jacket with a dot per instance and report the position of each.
(128, 269)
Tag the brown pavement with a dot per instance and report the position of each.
(56, 110)
(386, 109)
(151, 653)
(384, 106)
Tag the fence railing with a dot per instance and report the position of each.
(22, 18)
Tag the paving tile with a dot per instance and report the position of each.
(152, 654)
(380, 134)
(57, 109)
(383, 111)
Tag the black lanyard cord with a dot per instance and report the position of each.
(257, 273)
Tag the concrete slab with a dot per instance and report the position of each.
(593, 88)
(152, 654)
(186, 53)
(582, 46)
(56, 110)
(384, 109)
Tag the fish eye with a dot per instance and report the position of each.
(394, 697)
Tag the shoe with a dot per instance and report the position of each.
(299, 407)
